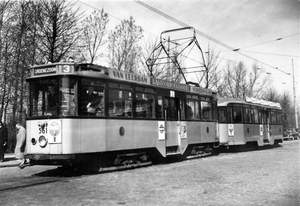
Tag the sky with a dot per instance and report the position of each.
(264, 30)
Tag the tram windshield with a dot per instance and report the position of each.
(52, 97)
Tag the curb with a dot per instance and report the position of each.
(9, 161)
(14, 163)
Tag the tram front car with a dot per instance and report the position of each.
(51, 100)
(88, 115)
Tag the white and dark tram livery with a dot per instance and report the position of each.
(251, 121)
(130, 120)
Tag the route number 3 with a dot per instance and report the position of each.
(66, 69)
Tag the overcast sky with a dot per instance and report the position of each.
(250, 25)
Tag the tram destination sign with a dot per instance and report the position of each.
(45, 70)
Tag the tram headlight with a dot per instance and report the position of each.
(43, 141)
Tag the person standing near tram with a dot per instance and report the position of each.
(3, 140)
(20, 146)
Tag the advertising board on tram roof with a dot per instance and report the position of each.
(128, 76)
(168, 84)
(200, 90)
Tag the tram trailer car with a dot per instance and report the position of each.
(249, 122)
(85, 115)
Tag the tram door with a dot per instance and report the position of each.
(171, 107)
(266, 125)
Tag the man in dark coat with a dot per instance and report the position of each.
(3, 140)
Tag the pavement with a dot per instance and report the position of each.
(9, 161)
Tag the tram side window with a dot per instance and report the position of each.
(206, 110)
(279, 117)
(144, 105)
(215, 110)
(259, 115)
(247, 115)
(37, 105)
(222, 115)
(120, 103)
(45, 97)
(182, 109)
(229, 115)
(254, 115)
(160, 109)
(273, 117)
(171, 109)
(196, 110)
(192, 109)
(92, 98)
(67, 90)
(237, 114)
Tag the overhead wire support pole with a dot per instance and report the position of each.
(294, 90)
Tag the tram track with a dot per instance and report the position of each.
(61, 174)
(42, 178)
(28, 183)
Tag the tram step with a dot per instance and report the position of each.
(175, 153)
(131, 154)
(173, 150)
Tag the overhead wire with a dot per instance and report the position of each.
(278, 39)
(202, 34)
(272, 54)
(98, 9)
(109, 14)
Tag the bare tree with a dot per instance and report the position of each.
(148, 47)
(240, 83)
(234, 82)
(213, 75)
(5, 47)
(257, 83)
(271, 94)
(20, 31)
(287, 110)
(15, 51)
(124, 51)
(57, 26)
(92, 37)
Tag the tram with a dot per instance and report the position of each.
(251, 121)
(90, 116)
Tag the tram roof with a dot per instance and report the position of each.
(224, 101)
(97, 71)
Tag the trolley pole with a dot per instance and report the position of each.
(294, 90)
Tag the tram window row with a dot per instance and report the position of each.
(101, 98)
(241, 113)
